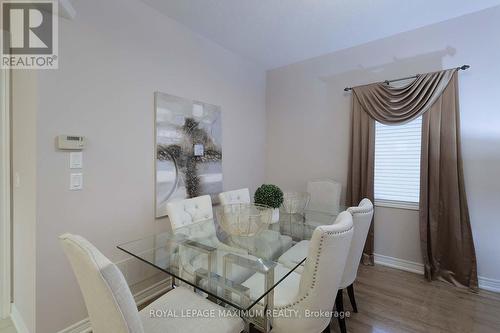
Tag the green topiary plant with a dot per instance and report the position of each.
(269, 195)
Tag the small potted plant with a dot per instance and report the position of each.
(271, 196)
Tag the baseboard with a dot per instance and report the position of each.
(80, 327)
(153, 291)
(404, 265)
(418, 268)
(140, 297)
(18, 320)
(489, 284)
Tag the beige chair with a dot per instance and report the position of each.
(362, 216)
(269, 244)
(315, 289)
(185, 215)
(235, 197)
(194, 217)
(112, 308)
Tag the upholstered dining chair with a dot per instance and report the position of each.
(184, 214)
(194, 217)
(111, 306)
(324, 202)
(241, 195)
(362, 216)
(269, 244)
(314, 290)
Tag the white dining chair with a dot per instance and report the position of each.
(194, 218)
(362, 216)
(269, 244)
(314, 290)
(324, 203)
(111, 306)
(241, 195)
(184, 214)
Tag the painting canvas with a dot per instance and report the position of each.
(188, 150)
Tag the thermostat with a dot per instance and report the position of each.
(70, 142)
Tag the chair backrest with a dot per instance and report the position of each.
(325, 196)
(321, 277)
(362, 216)
(110, 304)
(241, 196)
(188, 211)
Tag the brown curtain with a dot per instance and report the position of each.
(445, 232)
(361, 167)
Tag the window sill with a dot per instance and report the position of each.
(397, 204)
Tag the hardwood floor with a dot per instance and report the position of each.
(394, 301)
(391, 301)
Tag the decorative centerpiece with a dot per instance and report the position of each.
(243, 220)
(271, 196)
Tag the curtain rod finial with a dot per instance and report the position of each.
(464, 67)
(347, 89)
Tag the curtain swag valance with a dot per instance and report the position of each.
(396, 105)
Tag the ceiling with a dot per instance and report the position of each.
(275, 33)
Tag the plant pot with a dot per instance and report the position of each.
(276, 215)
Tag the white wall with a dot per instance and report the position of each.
(5, 188)
(309, 118)
(113, 56)
(24, 156)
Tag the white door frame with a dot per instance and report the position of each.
(5, 195)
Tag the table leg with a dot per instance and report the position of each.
(246, 329)
(212, 268)
(269, 301)
(227, 273)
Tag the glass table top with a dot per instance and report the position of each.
(195, 257)
(300, 224)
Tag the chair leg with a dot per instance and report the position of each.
(339, 305)
(350, 291)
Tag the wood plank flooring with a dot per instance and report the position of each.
(393, 301)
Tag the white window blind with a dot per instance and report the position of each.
(397, 162)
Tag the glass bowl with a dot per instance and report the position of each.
(244, 220)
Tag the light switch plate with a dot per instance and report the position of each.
(76, 181)
(76, 160)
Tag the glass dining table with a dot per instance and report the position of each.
(300, 226)
(195, 257)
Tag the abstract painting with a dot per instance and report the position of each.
(188, 150)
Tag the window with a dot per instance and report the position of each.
(397, 164)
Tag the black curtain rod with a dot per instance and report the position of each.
(464, 67)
